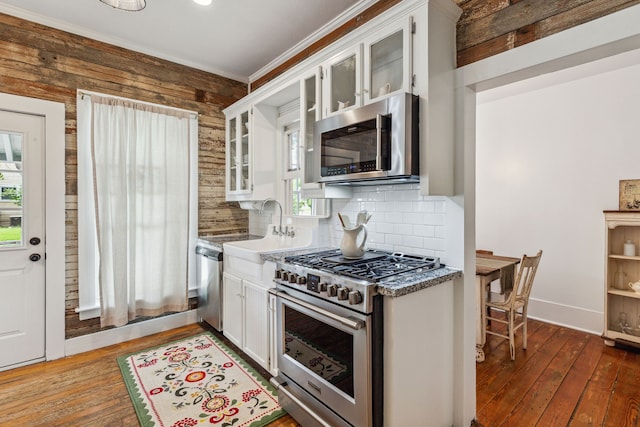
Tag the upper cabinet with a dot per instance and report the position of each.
(238, 165)
(368, 71)
(310, 112)
(387, 61)
(251, 153)
(343, 81)
(409, 48)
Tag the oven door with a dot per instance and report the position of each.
(325, 350)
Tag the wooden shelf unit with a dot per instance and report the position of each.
(622, 304)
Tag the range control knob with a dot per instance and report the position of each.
(332, 290)
(355, 297)
(323, 287)
(278, 273)
(293, 277)
(301, 280)
(343, 294)
(285, 275)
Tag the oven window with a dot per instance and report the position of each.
(319, 347)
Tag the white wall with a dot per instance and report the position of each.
(549, 154)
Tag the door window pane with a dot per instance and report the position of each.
(10, 189)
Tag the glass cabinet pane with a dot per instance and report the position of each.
(310, 111)
(386, 68)
(233, 142)
(343, 83)
(244, 151)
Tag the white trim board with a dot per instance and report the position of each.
(113, 336)
(53, 113)
(565, 315)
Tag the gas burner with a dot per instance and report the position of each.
(372, 267)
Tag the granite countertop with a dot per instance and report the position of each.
(396, 286)
(219, 240)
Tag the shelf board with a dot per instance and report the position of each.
(624, 293)
(610, 333)
(630, 258)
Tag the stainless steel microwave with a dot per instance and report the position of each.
(377, 143)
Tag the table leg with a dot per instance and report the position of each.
(480, 319)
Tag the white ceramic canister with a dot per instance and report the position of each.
(629, 248)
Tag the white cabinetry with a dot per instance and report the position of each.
(343, 81)
(238, 162)
(409, 48)
(310, 112)
(250, 152)
(246, 313)
(387, 58)
(622, 304)
(368, 71)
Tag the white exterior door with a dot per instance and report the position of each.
(22, 227)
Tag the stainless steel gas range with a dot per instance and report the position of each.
(330, 337)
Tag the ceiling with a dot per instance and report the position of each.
(233, 38)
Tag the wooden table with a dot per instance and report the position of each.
(488, 268)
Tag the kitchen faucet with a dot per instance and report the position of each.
(264, 202)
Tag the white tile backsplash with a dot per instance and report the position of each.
(402, 220)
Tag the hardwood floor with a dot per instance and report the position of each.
(83, 390)
(565, 378)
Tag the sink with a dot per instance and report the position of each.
(251, 250)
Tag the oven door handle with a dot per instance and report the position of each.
(351, 323)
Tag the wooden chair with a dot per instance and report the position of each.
(514, 304)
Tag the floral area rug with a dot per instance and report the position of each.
(309, 356)
(198, 381)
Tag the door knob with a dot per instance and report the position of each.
(34, 241)
(35, 257)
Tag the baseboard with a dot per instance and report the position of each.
(125, 333)
(565, 315)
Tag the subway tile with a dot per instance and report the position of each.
(426, 206)
(413, 241)
(405, 229)
(434, 219)
(393, 239)
(412, 218)
(425, 230)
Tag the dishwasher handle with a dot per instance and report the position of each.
(209, 253)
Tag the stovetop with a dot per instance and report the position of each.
(374, 265)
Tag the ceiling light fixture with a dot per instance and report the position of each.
(203, 2)
(129, 5)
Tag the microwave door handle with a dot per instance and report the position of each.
(351, 323)
(379, 142)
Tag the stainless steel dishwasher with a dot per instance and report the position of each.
(209, 277)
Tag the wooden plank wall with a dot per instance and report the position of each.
(41, 62)
(488, 27)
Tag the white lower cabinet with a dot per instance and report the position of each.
(245, 317)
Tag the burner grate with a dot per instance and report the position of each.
(374, 266)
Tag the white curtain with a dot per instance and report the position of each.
(141, 170)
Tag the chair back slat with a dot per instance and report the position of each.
(524, 279)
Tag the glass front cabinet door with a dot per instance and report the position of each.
(238, 165)
(388, 61)
(343, 81)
